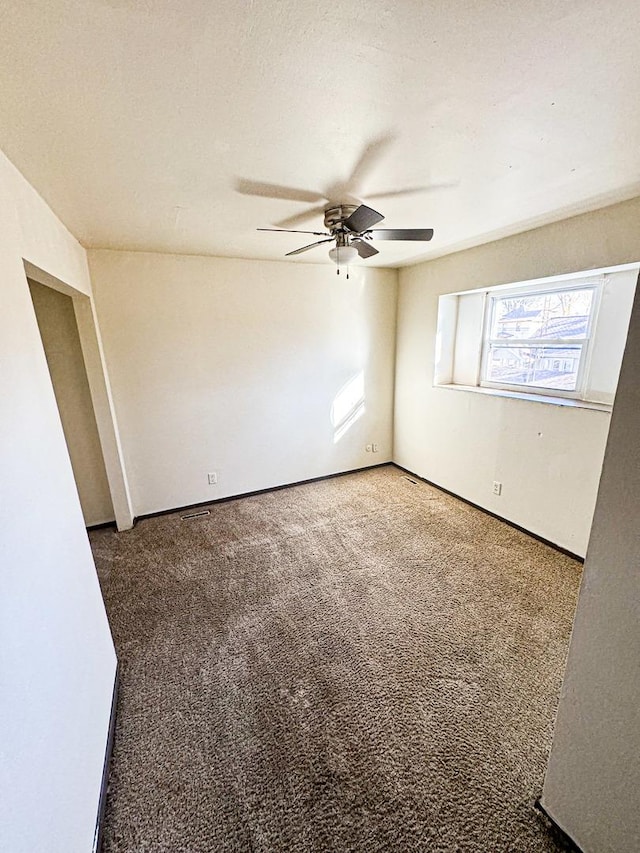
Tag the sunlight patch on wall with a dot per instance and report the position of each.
(348, 406)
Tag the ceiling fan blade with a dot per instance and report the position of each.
(396, 193)
(365, 250)
(368, 160)
(426, 188)
(310, 246)
(402, 233)
(295, 231)
(275, 191)
(362, 219)
(299, 218)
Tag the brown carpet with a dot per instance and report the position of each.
(359, 664)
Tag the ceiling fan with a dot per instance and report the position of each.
(350, 227)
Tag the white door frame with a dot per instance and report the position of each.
(100, 390)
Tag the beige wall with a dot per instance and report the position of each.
(58, 661)
(548, 457)
(245, 368)
(61, 341)
(592, 787)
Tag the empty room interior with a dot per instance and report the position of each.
(320, 478)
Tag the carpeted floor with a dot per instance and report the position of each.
(355, 665)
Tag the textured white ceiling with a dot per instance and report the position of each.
(139, 121)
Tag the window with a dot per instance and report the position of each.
(558, 340)
(539, 340)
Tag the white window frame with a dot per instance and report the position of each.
(492, 296)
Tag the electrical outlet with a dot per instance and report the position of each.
(497, 487)
(374, 447)
(368, 448)
(212, 478)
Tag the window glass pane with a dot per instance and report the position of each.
(540, 367)
(559, 314)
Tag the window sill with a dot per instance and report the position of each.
(531, 398)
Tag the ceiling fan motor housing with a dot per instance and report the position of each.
(334, 217)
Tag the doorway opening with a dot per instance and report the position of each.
(56, 319)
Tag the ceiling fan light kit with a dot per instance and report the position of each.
(350, 227)
(344, 255)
